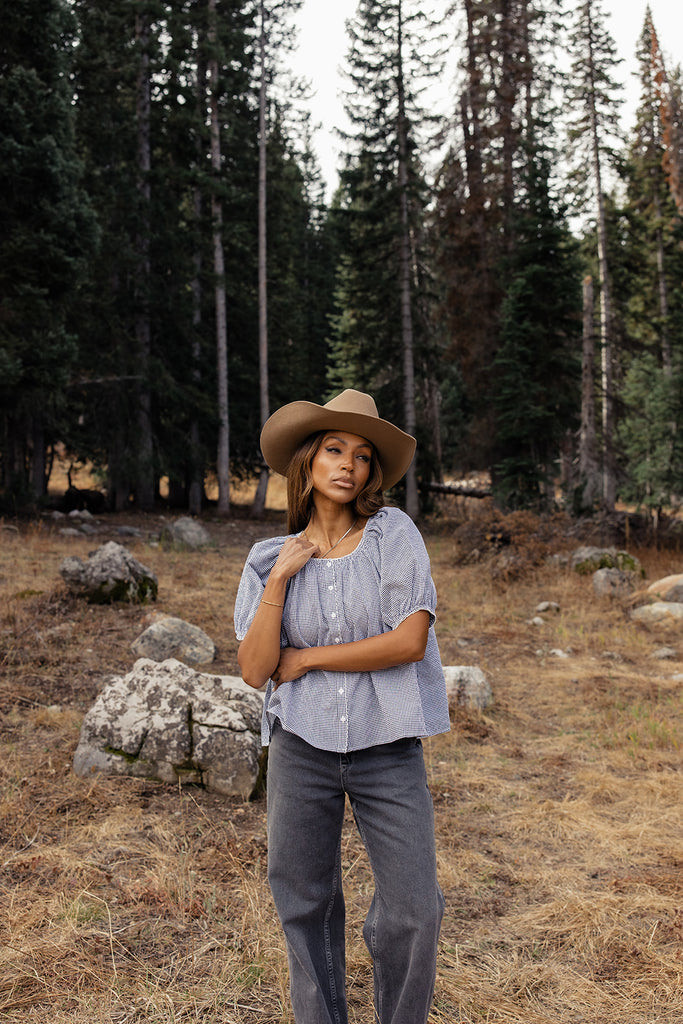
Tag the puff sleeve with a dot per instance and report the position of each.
(257, 568)
(406, 584)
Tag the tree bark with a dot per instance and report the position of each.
(405, 273)
(145, 482)
(607, 374)
(38, 474)
(259, 502)
(223, 448)
(196, 482)
(589, 471)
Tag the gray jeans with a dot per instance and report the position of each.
(392, 806)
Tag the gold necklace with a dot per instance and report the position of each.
(343, 537)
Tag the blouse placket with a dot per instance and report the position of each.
(335, 627)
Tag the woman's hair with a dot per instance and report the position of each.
(300, 485)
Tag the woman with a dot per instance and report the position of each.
(338, 618)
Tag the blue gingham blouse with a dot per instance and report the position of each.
(337, 600)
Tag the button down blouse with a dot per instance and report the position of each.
(338, 600)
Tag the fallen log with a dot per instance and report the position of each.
(458, 489)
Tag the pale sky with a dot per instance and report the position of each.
(323, 46)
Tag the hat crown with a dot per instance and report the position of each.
(352, 410)
(356, 402)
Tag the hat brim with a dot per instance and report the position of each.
(287, 428)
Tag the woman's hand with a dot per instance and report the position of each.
(294, 554)
(292, 665)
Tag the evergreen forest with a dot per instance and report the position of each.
(507, 281)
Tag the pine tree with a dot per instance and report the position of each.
(106, 395)
(47, 232)
(653, 257)
(380, 326)
(274, 34)
(535, 379)
(504, 110)
(593, 94)
(182, 375)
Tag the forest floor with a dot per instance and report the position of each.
(558, 809)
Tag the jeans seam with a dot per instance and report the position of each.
(328, 945)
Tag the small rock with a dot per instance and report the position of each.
(128, 531)
(589, 559)
(548, 606)
(557, 653)
(670, 588)
(169, 637)
(558, 560)
(467, 686)
(536, 621)
(109, 574)
(187, 532)
(664, 653)
(614, 582)
(69, 531)
(661, 613)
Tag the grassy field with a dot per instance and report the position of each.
(559, 810)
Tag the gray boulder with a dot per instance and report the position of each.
(168, 722)
(614, 582)
(169, 637)
(110, 574)
(467, 686)
(587, 560)
(668, 589)
(186, 532)
(661, 613)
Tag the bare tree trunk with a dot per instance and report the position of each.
(432, 402)
(223, 451)
(607, 370)
(196, 487)
(607, 374)
(665, 339)
(405, 275)
(145, 483)
(589, 470)
(38, 475)
(260, 497)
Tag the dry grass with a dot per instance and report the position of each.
(558, 810)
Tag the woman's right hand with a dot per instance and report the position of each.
(294, 554)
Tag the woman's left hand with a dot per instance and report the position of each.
(292, 665)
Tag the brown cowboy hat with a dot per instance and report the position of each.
(353, 411)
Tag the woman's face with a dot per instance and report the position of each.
(341, 466)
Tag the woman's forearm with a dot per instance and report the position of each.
(400, 646)
(259, 653)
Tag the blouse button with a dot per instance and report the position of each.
(343, 718)
(329, 564)
(333, 615)
(341, 689)
(337, 640)
(330, 587)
